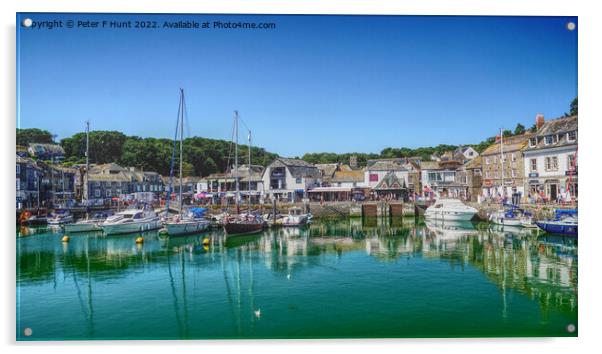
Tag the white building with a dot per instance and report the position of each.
(290, 179)
(551, 160)
(398, 177)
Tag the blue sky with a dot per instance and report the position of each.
(313, 84)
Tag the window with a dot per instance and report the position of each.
(494, 160)
(97, 193)
(495, 174)
(487, 161)
(571, 136)
(97, 183)
(533, 165)
(298, 180)
(548, 140)
(18, 169)
(572, 164)
(513, 173)
(513, 157)
(552, 163)
(487, 175)
(373, 177)
(533, 142)
(108, 192)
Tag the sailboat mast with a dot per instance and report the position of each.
(236, 197)
(502, 160)
(181, 144)
(86, 189)
(249, 174)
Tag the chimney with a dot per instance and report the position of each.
(539, 120)
(353, 162)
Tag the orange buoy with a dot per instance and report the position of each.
(65, 238)
(140, 239)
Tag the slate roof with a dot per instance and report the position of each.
(555, 126)
(390, 182)
(327, 169)
(49, 148)
(430, 165)
(511, 143)
(348, 176)
(475, 163)
(395, 164)
(298, 168)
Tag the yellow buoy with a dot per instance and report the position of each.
(65, 238)
(139, 240)
(205, 241)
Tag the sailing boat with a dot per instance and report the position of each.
(193, 221)
(88, 224)
(509, 214)
(242, 224)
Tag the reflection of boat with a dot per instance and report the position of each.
(87, 225)
(564, 223)
(512, 216)
(60, 217)
(451, 229)
(450, 209)
(295, 217)
(131, 220)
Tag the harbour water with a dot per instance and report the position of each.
(340, 278)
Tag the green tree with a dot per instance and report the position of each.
(105, 146)
(520, 129)
(33, 135)
(574, 107)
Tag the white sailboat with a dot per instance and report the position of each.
(193, 221)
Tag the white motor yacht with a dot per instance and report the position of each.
(450, 209)
(89, 224)
(131, 220)
(295, 217)
(60, 218)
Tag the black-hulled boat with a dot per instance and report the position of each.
(242, 224)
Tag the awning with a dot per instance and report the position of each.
(329, 189)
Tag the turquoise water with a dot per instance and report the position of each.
(345, 278)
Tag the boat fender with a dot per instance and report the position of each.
(205, 241)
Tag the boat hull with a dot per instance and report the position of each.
(82, 227)
(131, 227)
(233, 229)
(60, 221)
(558, 228)
(187, 228)
(449, 215)
(35, 222)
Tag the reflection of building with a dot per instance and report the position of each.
(551, 159)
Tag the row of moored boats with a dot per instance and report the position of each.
(565, 221)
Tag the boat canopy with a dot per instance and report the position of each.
(198, 212)
(565, 212)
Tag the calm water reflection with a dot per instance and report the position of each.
(345, 278)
